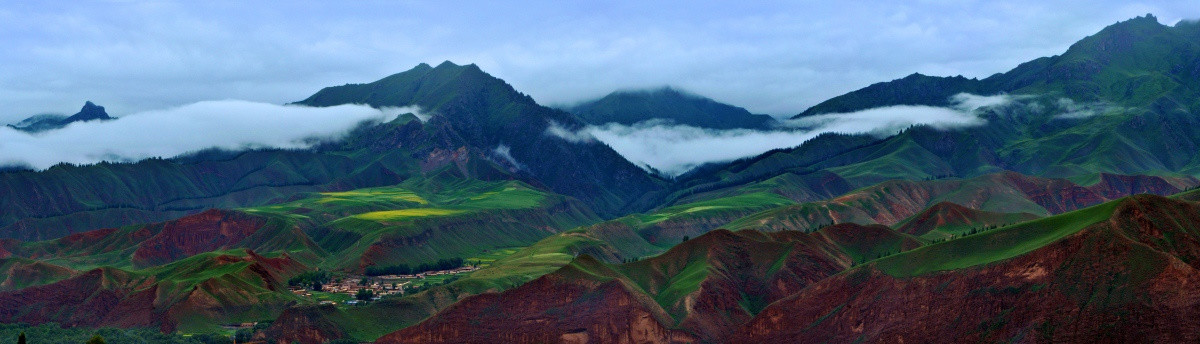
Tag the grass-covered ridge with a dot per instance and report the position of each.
(431, 218)
(994, 245)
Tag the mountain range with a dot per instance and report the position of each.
(1066, 213)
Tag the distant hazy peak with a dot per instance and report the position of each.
(90, 111)
(43, 122)
(667, 103)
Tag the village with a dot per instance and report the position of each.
(356, 289)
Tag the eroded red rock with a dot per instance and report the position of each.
(190, 235)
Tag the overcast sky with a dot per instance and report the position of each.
(773, 57)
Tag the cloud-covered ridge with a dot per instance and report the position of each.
(675, 149)
(224, 124)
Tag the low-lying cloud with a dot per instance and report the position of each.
(393, 112)
(505, 152)
(972, 102)
(224, 124)
(1070, 109)
(674, 149)
(557, 130)
(888, 120)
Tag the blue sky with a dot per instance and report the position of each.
(770, 57)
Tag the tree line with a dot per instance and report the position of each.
(312, 280)
(405, 269)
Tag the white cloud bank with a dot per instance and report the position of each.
(675, 149)
(224, 124)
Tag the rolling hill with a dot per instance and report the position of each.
(1119, 271)
(948, 219)
(196, 294)
(698, 290)
(1015, 280)
(894, 203)
(634, 237)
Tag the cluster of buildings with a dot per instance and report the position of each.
(351, 285)
(378, 285)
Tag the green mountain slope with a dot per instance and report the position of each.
(1136, 63)
(472, 109)
(1084, 112)
(475, 117)
(1112, 144)
(1029, 137)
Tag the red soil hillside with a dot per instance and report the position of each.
(673, 229)
(190, 235)
(1190, 195)
(1130, 274)
(891, 202)
(716, 281)
(156, 244)
(84, 243)
(158, 298)
(584, 302)
(946, 215)
(17, 273)
(1131, 278)
(867, 242)
(7, 246)
(304, 324)
(100, 297)
(699, 291)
